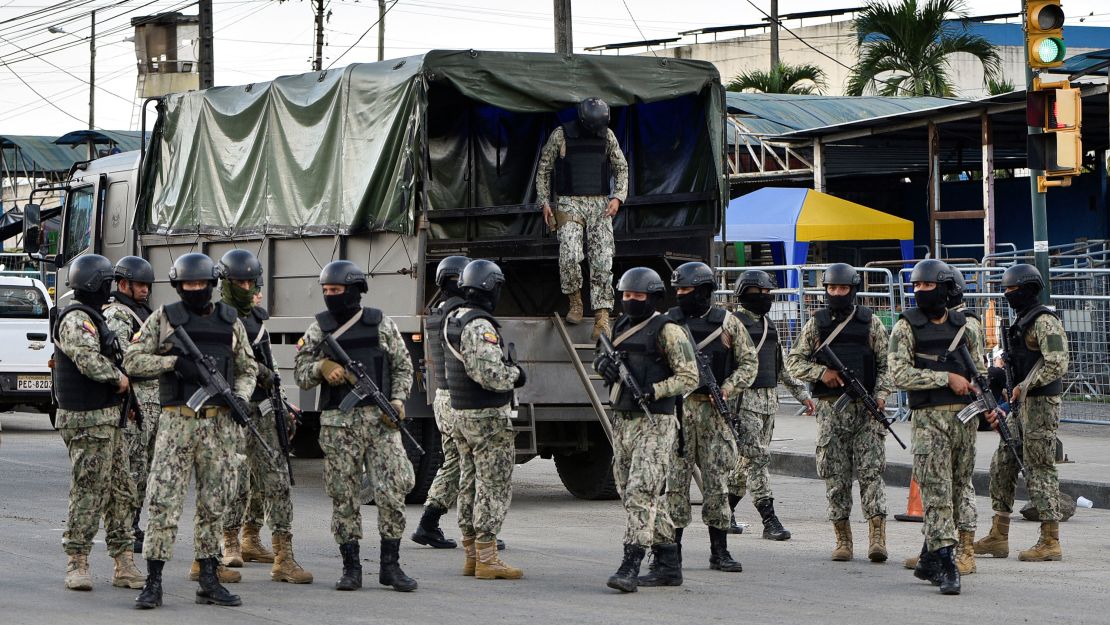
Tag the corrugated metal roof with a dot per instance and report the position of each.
(777, 114)
(36, 155)
(126, 140)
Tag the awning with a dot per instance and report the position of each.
(125, 140)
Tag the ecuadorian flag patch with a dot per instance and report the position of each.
(489, 337)
(88, 327)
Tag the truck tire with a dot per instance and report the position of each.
(423, 467)
(589, 475)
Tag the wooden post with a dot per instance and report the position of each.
(934, 188)
(564, 40)
(988, 185)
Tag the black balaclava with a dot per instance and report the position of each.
(934, 303)
(638, 310)
(697, 302)
(344, 305)
(840, 304)
(1023, 297)
(485, 301)
(757, 301)
(197, 301)
(451, 288)
(95, 299)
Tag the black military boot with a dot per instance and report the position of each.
(151, 596)
(625, 578)
(389, 569)
(211, 591)
(667, 569)
(733, 526)
(429, 533)
(928, 566)
(719, 557)
(949, 574)
(352, 567)
(772, 527)
(137, 531)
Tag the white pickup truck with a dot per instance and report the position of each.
(25, 345)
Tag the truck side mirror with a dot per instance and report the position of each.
(32, 229)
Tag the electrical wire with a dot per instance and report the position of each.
(633, 17)
(363, 35)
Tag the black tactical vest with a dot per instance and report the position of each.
(769, 354)
(1024, 359)
(142, 312)
(722, 360)
(260, 341)
(73, 390)
(647, 363)
(852, 346)
(933, 339)
(213, 335)
(466, 394)
(362, 342)
(433, 338)
(585, 168)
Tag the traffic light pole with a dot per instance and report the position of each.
(1037, 201)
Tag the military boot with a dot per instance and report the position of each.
(285, 568)
(226, 575)
(151, 596)
(252, 548)
(471, 553)
(210, 591)
(997, 542)
(601, 324)
(733, 526)
(965, 553)
(490, 565)
(77, 572)
(574, 313)
(428, 531)
(843, 550)
(352, 567)
(911, 563)
(772, 527)
(667, 566)
(719, 557)
(126, 574)
(1047, 548)
(876, 538)
(389, 567)
(233, 554)
(927, 566)
(137, 531)
(949, 577)
(625, 579)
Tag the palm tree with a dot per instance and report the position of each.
(904, 48)
(804, 79)
(999, 86)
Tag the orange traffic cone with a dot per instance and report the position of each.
(915, 512)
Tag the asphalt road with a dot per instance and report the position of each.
(567, 548)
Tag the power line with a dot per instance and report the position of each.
(44, 98)
(113, 93)
(633, 17)
(360, 37)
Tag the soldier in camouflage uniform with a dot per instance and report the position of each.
(708, 439)
(761, 401)
(363, 433)
(660, 357)
(191, 441)
(850, 441)
(1039, 358)
(921, 342)
(481, 379)
(586, 158)
(89, 385)
(259, 477)
(125, 313)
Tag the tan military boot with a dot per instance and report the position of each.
(965, 554)
(252, 548)
(490, 565)
(876, 538)
(910, 563)
(1047, 548)
(997, 542)
(574, 314)
(471, 552)
(843, 551)
(285, 567)
(77, 573)
(126, 574)
(601, 324)
(226, 575)
(233, 554)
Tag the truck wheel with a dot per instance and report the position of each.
(589, 475)
(424, 467)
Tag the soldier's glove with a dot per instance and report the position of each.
(521, 379)
(188, 370)
(649, 394)
(326, 367)
(607, 368)
(399, 406)
(265, 377)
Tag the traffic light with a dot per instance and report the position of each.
(1044, 35)
(1057, 109)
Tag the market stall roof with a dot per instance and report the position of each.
(777, 113)
(34, 156)
(774, 214)
(125, 140)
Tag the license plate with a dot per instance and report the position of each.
(32, 383)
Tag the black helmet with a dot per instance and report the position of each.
(932, 270)
(1021, 275)
(241, 265)
(134, 269)
(593, 115)
(693, 274)
(754, 277)
(841, 273)
(482, 275)
(957, 287)
(642, 280)
(450, 267)
(89, 272)
(344, 272)
(193, 266)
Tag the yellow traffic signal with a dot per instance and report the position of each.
(1044, 35)
(1057, 109)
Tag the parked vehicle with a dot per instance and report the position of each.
(25, 345)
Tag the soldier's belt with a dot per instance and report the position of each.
(563, 217)
(206, 412)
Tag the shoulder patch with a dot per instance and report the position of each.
(300, 343)
(88, 326)
(490, 337)
(138, 336)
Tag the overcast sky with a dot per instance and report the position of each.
(257, 40)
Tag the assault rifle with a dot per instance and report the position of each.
(854, 390)
(709, 381)
(277, 407)
(625, 375)
(130, 406)
(1012, 442)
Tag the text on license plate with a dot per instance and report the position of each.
(32, 383)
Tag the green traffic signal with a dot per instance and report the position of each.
(1050, 50)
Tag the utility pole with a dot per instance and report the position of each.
(318, 60)
(381, 30)
(206, 54)
(774, 34)
(564, 43)
(92, 73)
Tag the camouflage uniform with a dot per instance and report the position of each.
(580, 215)
(445, 487)
(359, 435)
(101, 485)
(760, 404)
(966, 515)
(186, 444)
(850, 441)
(261, 489)
(710, 442)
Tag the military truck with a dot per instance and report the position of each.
(397, 164)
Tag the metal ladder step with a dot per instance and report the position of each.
(525, 423)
